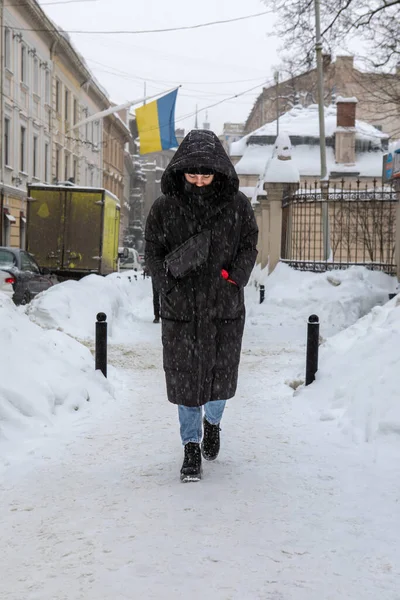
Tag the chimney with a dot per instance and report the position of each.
(345, 62)
(326, 61)
(345, 134)
(346, 112)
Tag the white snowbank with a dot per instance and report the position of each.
(358, 379)
(44, 374)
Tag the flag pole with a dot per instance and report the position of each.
(114, 109)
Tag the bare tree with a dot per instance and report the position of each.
(376, 22)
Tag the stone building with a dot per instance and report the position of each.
(354, 148)
(378, 95)
(232, 132)
(25, 113)
(116, 135)
(46, 89)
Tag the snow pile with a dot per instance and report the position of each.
(338, 297)
(46, 373)
(357, 384)
(43, 374)
(72, 306)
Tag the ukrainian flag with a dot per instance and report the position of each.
(156, 124)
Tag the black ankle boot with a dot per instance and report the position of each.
(211, 442)
(191, 468)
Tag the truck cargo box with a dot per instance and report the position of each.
(73, 230)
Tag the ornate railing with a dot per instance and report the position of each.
(340, 226)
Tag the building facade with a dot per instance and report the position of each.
(378, 95)
(232, 132)
(116, 135)
(26, 131)
(46, 90)
(354, 149)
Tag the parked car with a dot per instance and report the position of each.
(6, 283)
(19, 269)
(129, 259)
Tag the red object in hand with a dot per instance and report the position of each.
(225, 275)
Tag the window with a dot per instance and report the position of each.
(23, 64)
(46, 163)
(58, 96)
(66, 106)
(47, 87)
(75, 170)
(58, 156)
(7, 48)
(28, 264)
(67, 158)
(22, 230)
(6, 231)
(22, 164)
(7, 259)
(7, 138)
(36, 75)
(76, 108)
(95, 133)
(35, 157)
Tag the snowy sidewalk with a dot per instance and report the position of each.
(291, 510)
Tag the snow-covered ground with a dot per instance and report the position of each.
(303, 501)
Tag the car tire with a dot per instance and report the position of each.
(26, 298)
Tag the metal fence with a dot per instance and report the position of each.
(341, 226)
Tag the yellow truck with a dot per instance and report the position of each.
(73, 231)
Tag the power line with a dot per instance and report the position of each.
(170, 81)
(48, 3)
(196, 93)
(140, 31)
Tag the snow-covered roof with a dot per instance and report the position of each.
(307, 160)
(353, 99)
(302, 127)
(394, 146)
(281, 171)
(304, 122)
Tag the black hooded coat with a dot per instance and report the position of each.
(202, 313)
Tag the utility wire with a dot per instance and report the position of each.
(140, 31)
(48, 3)
(164, 81)
(196, 93)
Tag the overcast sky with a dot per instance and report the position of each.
(241, 53)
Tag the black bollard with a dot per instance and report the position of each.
(262, 293)
(312, 348)
(101, 343)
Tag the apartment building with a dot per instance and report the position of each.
(77, 153)
(46, 89)
(378, 94)
(116, 135)
(26, 77)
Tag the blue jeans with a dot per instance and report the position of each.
(190, 419)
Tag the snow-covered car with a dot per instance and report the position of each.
(6, 283)
(20, 270)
